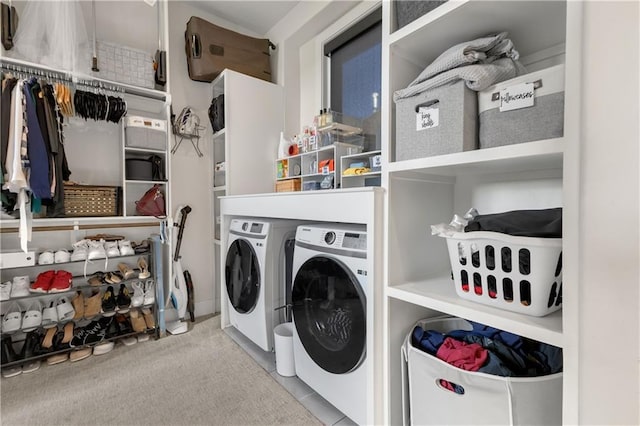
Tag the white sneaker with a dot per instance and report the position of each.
(45, 258)
(12, 319)
(111, 247)
(149, 293)
(5, 291)
(80, 250)
(96, 250)
(125, 248)
(64, 310)
(61, 256)
(50, 315)
(138, 294)
(20, 286)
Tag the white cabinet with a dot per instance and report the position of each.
(426, 191)
(371, 160)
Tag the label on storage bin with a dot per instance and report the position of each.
(325, 170)
(427, 118)
(517, 96)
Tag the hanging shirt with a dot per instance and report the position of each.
(39, 179)
(17, 164)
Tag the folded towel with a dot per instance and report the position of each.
(352, 171)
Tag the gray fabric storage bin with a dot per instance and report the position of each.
(408, 11)
(146, 133)
(457, 128)
(543, 120)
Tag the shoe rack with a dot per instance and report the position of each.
(91, 278)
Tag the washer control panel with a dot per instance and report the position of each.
(248, 226)
(345, 237)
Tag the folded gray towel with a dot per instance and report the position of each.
(481, 50)
(478, 77)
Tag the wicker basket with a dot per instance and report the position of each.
(90, 200)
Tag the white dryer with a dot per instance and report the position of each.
(255, 275)
(329, 297)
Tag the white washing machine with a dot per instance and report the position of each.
(256, 276)
(329, 297)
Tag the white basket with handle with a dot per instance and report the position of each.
(518, 274)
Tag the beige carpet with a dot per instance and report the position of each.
(198, 378)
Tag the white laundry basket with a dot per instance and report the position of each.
(519, 274)
(283, 344)
(487, 399)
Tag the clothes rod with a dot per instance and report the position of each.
(52, 73)
(77, 227)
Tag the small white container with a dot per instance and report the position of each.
(283, 344)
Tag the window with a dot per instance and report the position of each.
(355, 66)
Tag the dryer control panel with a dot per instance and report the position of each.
(248, 227)
(340, 237)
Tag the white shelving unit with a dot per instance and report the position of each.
(248, 144)
(358, 181)
(308, 165)
(426, 191)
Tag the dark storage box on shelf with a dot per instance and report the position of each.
(544, 119)
(439, 121)
(408, 11)
(91, 200)
(479, 398)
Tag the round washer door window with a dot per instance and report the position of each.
(242, 274)
(329, 312)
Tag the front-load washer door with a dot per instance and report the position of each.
(242, 273)
(329, 312)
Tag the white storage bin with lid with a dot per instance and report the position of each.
(145, 133)
(518, 274)
(538, 99)
(486, 399)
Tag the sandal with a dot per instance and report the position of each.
(113, 277)
(47, 340)
(126, 271)
(149, 320)
(144, 268)
(137, 322)
(97, 279)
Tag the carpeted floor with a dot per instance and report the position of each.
(198, 378)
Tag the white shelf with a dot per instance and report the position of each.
(362, 175)
(220, 188)
(82, 221)
(307, 175)
(146, 182)
(460, 21)
(438, 293)
(362, 154)
(216, 242)
(144, 150)
(538, 155)
(219, 135)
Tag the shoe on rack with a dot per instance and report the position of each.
(12, 320)
(45, 258)
(108, 302)
(149, 293)
(149, 319)
(97, 279)
(80, 250)
(48, 340)
(50, 315)
(125, 248)
(80, 354)
(137, 321)
(30, 367)
(65, 310)
(96, 250)
(138, 294)
(62, 256)
(8, 353)
(32, 317)
(57, 359)
(103, 348)
(143, 247)
(113, 277)
(143, 337)
(144, 268)
(43, 282)
(31, 346)
(124, 324)
(11, 371)
(20, 286)
(111, 248)
(63, 340)
(126, 270)
(5, 291)
(61, 282)
(92, 304)
(123, 300)
(129, 341)
(78, 305)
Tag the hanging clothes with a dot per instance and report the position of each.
(7, 198)
(39, 179)
(56, 139)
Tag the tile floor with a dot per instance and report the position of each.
(317, 405)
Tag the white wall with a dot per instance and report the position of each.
(192, 176)
(609, 303)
